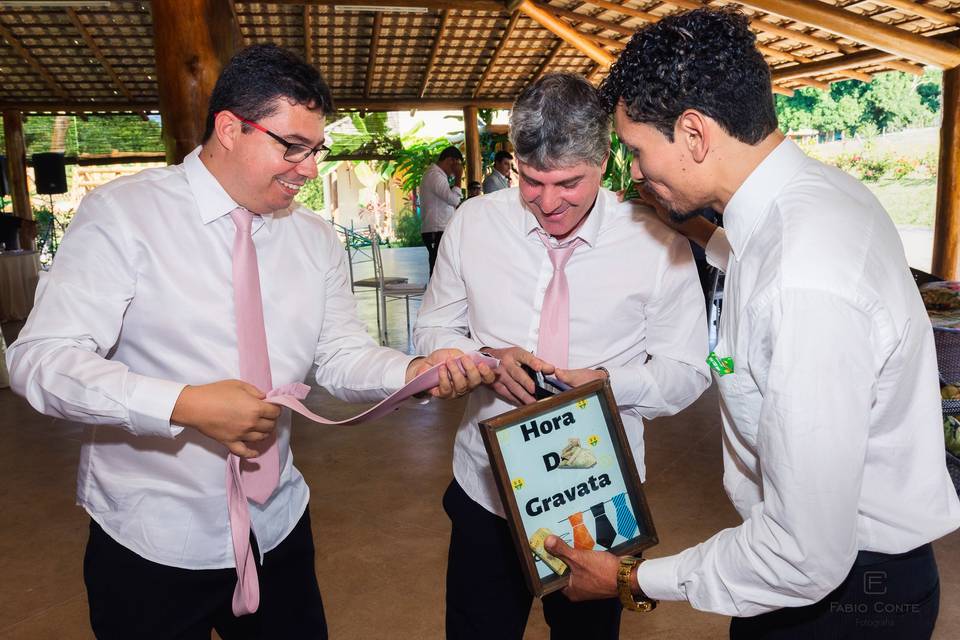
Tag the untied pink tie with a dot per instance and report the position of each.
(553, 341)
(258, 478)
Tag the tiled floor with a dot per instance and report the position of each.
(381, 533)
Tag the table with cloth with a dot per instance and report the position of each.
(18, 283)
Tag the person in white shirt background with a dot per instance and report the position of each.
(499, 176)
(833, 447)
(440, 194)
(636, 314)
(134, 333)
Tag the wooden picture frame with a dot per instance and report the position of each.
(564, 464)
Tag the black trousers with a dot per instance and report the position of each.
(487, 597)
(885, 597)
(431, 241)
(131, 597)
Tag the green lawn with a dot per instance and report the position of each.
(909, 201)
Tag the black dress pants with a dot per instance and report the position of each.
(131, 597)
(885, 597)
(487, 597)
(431, 240)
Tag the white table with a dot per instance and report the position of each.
(18, 283)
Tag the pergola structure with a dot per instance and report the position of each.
(140, 56)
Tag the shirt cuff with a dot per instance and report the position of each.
(658, 578)
(150, 403)
(629, 384)
(718, 249)
(395, 374)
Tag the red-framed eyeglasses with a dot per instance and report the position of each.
(294, 151)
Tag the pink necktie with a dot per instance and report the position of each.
(553, 341)
(257, 479)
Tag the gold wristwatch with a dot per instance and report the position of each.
(643, 603)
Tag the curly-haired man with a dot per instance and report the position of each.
(833, 451)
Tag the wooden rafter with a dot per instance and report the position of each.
(399, 103)
(607, 42)
(496, 54)
(308, 48)
(831, 65)
(923, 10)
(441, 31)
(906, 67)
(374, 43)
(548, 60)
(475, 5)
(784, 91)
(856, 75)
(12, 40)
(563, 30)
(586, 19)
(98, 54)
(860, 28)
(762, 25)
(778, 54)
(817, 84)
(627, 11)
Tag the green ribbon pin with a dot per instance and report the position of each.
(722, 366)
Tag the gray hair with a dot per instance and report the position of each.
(560, 121)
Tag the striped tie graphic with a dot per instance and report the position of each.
(626, 523)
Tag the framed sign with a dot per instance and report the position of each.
(563, 466)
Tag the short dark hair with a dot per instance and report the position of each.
(450, 152)
(257, 76)
(705, 60)
(502, 155)
(474, 185)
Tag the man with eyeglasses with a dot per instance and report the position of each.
(136, 332)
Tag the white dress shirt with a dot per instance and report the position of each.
(437, 200)
(636, 308)
(833, 440)
(139, 303)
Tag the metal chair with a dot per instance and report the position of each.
(360, 249)
(392, 291)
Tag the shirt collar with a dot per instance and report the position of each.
(754, 199)
(588, 231)
(212, 199)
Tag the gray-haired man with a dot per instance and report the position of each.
(635, 314)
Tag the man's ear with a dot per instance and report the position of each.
(693, 131)
(227, 128)
(603, 165)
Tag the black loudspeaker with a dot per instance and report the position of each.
(50, 173)
(4, 185)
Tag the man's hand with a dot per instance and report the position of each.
(512, 383)
(593, 574)
(453, 382)
(577, 377)
(231, 412)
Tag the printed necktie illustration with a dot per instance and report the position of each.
(581, 535)
(257, 479)
(602, 526)
(626, 522)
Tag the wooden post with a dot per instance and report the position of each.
(472, 136)
(17, 172)
(192, 40)
(946, 226)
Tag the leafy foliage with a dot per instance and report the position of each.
(892, 101)
(407, 229)
(99, 134)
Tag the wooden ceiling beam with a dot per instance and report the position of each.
(563, 30)
(374, 41)
(586, 19)
(784, 91)
(98, 54)
(548, 60)
(476, 5)
(831, 65)
(441, 31)
(816, 84)
(398, 103)
(862, 29)
(627, 11)
(27, 57)
(906, 67)
(778, 54)
(922, 10)
(496, 54)
(308, 48)
(856, 75)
